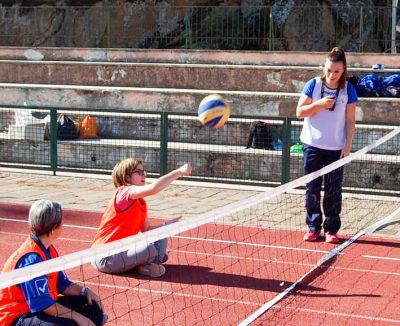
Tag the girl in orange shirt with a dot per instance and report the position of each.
(126, 215)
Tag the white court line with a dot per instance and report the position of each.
(196, 239)
(381, 257)
(253, 244)
(285, 262)
(277, 307)
(161, 292)
(202, 239)
(61, 238)
(66, 225)
(178, 294)
(274, 261)
(338, 314)
(334, 252)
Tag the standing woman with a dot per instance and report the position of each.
(327, 105)
(38, 301)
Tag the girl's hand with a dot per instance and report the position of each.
(185, 169)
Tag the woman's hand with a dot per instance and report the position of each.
(84, 321)
(326, 102)
(345, 151)
(91, 297)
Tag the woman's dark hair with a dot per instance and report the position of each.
(337, 55)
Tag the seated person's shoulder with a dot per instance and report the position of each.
(28, 259)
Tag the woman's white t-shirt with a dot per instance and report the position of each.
(327, 129)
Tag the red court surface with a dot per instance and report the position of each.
(220, 274)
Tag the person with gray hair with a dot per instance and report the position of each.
(37, 301)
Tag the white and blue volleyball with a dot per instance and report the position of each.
(213, 111)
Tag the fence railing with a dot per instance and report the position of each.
(273, 28)
(31, 138)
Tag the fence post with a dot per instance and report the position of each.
(187, 27)
(361, 29)
(286, 141)
(394, 22)
(271, 30)
(53, 140)
(164, 143)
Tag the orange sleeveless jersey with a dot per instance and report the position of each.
(12, 301)
(118, 225)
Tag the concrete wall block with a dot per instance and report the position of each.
(92, 155)
(246, 165)
(380, 175)
(256, 104)
(24, 152)
(260, 165)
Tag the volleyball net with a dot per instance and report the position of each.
(247, 262)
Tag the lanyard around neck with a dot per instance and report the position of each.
(336, 96)
(323, 92)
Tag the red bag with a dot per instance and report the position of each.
(88, 128)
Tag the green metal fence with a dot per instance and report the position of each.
(30, 138)
(278, 27)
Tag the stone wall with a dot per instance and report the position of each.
(296, 25)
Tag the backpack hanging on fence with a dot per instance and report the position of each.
(66, 129)
(259, 136)
(88, 128)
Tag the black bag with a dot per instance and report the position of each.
(259, 136)
(66, 129)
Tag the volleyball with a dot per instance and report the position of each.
(214, 111)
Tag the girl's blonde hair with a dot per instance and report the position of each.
(123, 169)
(337, 55)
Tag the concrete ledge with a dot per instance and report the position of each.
(289, 79)
(121, 127)
(222, 162)
(298, 58)
(256, 104)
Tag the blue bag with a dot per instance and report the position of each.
(370, 86)
(392, 80)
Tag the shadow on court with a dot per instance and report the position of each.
(383, 243)
(305, 290)
(200, 275)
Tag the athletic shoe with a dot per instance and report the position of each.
(152, 270)
(311, 236)
(164, 259)
(160, 261)
(331, 237)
